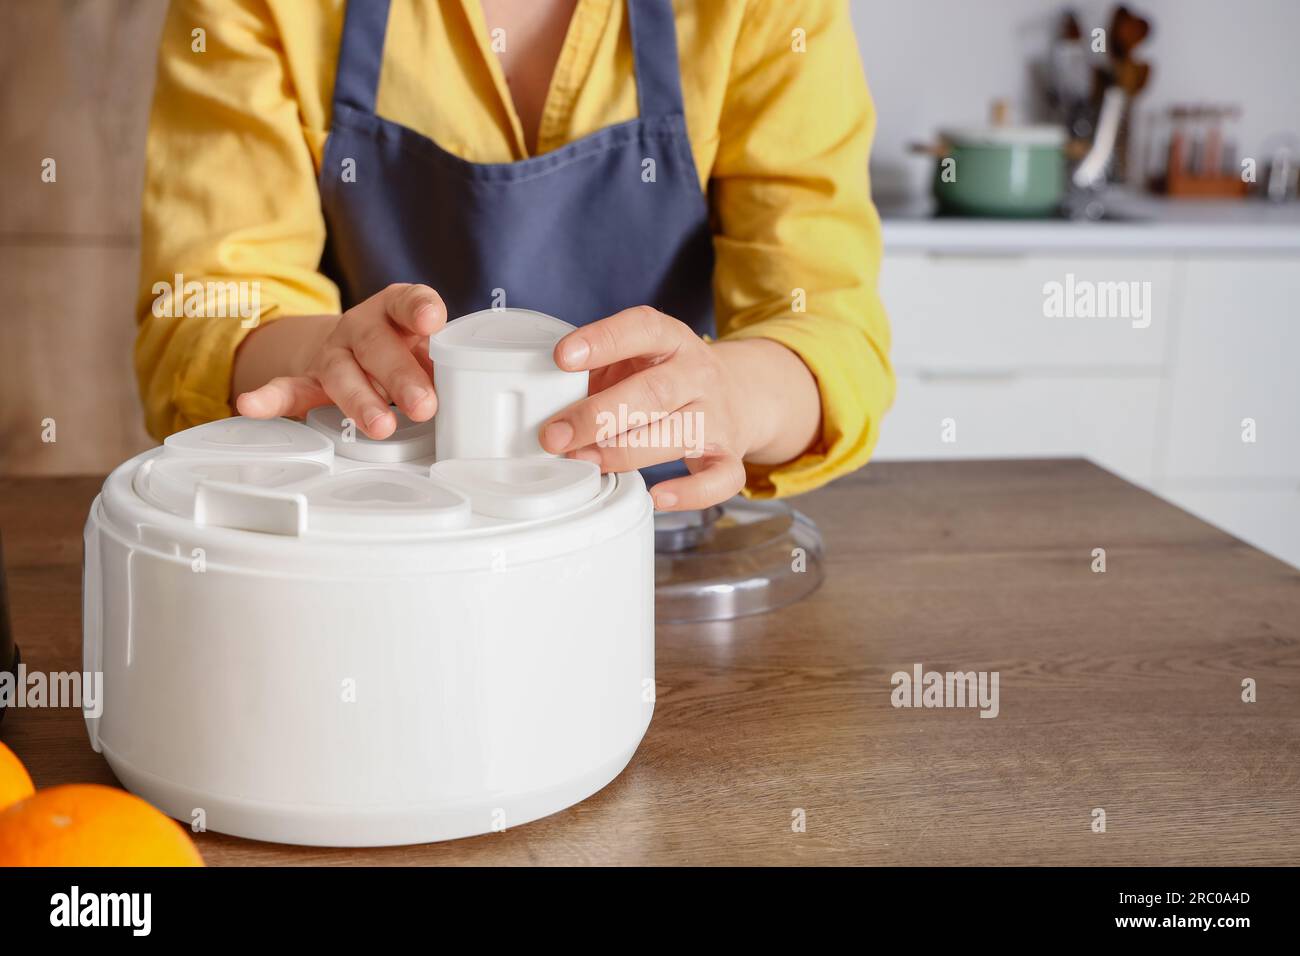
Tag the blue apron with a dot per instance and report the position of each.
(612, 220)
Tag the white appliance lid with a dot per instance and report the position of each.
(210, 488)
(170, 482)
(500, 339)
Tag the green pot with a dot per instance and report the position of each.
(1011, 172)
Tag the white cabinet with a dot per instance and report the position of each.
(985, 370)
(964, 312)
(1267, 517)
(1111, 420)
(1237, 374)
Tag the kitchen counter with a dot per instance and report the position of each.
(1118, 690)
(1141, 224)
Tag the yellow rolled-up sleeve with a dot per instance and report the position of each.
(230, 202)
(797, 237)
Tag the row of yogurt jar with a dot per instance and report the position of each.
(496, 381)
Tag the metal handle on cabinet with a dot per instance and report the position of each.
(978, 256)
(986, 376)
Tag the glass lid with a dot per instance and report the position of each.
(737, 558)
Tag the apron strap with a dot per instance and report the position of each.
(361, 54)
(654, 53)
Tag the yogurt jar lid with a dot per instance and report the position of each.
(520, 489)
(369, 500)
(500, 339)
(246, 437)
(410, 440)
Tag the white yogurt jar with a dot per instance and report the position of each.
(497, 381)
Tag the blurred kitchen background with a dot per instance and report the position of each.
(1202, 404)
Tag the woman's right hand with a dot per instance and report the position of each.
(375, 353)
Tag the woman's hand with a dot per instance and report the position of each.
(658, 392)
(375, 353)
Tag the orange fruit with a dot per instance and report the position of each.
(85, 824)
(15, 782)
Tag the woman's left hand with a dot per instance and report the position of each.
(658, 393)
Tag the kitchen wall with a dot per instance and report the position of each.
(939, 62)
(75, 85)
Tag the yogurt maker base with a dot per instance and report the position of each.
(276, 668)
(370, 826)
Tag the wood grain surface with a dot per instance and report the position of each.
(1119, 690)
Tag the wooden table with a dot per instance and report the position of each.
(1119, 690)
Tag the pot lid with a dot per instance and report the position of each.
(503, 339)
(1039, 135)
(738, 558)
(411, 440)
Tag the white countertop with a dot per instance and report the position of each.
(1147, 224)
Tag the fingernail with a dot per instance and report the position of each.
(664, 500)
(373, 415)
(426, 314)
(413, 397)
(557, 436)
(574, 352)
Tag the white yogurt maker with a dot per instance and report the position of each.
(310, 637)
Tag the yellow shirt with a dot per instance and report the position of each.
(780, 122)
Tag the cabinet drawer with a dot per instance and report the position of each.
(1238, 351)
(1110, 420)
(979, 312)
